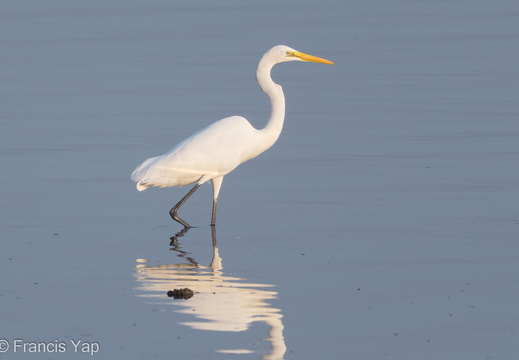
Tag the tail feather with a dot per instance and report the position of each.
(141, 187)
(140, 172)
(162, 171)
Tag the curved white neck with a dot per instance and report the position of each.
(277, 100)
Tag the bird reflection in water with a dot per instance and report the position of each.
(219, 302)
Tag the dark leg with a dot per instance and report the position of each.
(174, 209)
(213, 235)
(213, 216)
(217, 183)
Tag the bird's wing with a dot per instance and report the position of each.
(211, 152)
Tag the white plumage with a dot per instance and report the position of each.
(216, 150)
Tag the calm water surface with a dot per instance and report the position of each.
(383, 224)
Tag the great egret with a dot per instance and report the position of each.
(216, 150)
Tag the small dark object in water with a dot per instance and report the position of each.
(181, 293)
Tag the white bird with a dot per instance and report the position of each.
(218, 149)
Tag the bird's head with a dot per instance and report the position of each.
(282, 53)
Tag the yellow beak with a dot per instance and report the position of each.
(306, 57)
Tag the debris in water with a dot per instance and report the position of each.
(181, 293)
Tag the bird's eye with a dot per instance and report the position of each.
(288, 53)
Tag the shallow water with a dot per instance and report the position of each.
(384, 222)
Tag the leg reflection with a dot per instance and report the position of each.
(214, 299)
